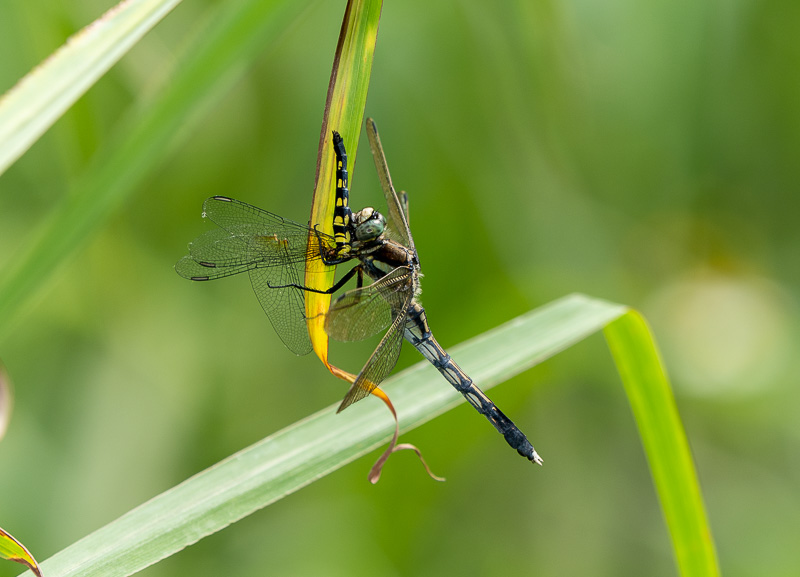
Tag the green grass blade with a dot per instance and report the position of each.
(238, 32)
(298, 455)
(41, 97)
(665, 443)
(306, 451)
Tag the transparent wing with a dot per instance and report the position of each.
(384, 358)
(379, 365)
(397, 217)
(403, 196)
(257, 234)
(284, 306)
(363, 312)
(273, 249)
(216, 254)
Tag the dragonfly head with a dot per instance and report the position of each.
(369, 224)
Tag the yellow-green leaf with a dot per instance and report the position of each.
(13, 550)
(344, 112)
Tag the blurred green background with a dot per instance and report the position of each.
(646, 153)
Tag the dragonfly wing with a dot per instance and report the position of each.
(232, 215)
(397, 217)
(219, 252)
(189, 268)
(285, 305)
(363, 312)
(382, 360)
(215, 254)
(272, 238)
(403, 196)
(273, 249)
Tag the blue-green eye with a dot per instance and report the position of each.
(372, 228)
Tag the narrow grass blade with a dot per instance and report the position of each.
(41, 97)
(344, 112)
(302, 453)
(237, 34)
(665, 443)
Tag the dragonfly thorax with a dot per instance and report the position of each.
(368, 224)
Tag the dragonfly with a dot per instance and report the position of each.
(274, 252)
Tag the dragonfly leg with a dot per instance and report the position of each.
(350, 274)
(332, 256)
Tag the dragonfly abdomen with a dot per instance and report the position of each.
(418, 333)
(342, 215)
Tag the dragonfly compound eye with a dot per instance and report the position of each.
(369, 224)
